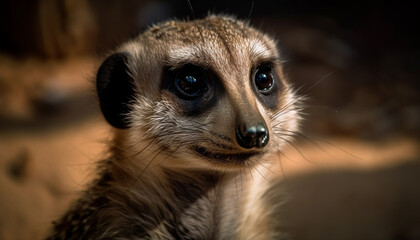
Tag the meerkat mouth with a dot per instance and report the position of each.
(225, 157)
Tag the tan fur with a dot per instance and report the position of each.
(232, 204)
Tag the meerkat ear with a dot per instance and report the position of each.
(115, 89)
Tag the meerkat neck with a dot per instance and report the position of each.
(168, 201)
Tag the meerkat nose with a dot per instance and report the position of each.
(252, 136)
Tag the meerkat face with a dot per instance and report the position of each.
(207, 93)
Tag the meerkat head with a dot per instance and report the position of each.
(204, 93)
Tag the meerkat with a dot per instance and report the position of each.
(201, 111)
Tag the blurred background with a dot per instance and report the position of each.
(354, 173)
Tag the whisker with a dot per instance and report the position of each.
(252, 8)
(250, 173)
(169, 155)
(268, 169)
(301, 96)
(295, 147)
(147, 166)
(341, 149)
(313, 142)
(262, 175)
(330, 109)
(142, 150)
(281, 167)
(288, 105)
(191, 9)
(319, 81)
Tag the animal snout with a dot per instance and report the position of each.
(252, 135)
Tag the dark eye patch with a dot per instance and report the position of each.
(195, 87)
(264, 79)
(191, 82)
(266, 84)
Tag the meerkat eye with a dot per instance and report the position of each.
(264, 79)
(191, 83)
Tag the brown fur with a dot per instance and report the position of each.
(155, 186)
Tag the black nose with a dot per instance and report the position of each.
(253, 136)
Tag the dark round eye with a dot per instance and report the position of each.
(190, 84)
(264, 79)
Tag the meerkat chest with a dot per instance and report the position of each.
(196, 211)
(197, 221)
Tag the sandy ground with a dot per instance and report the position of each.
(41, 174)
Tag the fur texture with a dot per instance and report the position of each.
(177, 170)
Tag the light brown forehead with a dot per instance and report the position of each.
(214, 42)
